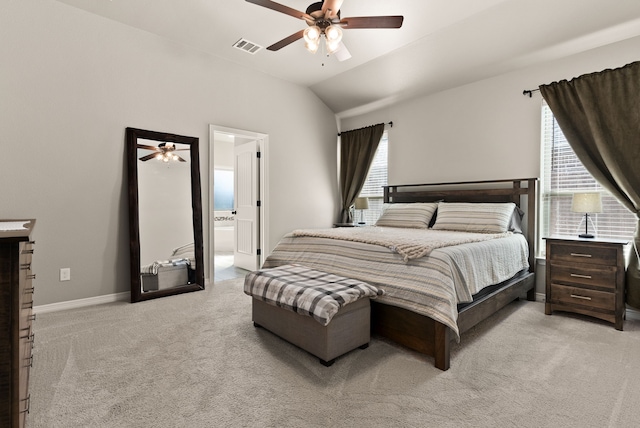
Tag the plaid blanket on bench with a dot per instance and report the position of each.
(306, 291)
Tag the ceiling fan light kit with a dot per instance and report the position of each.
(332, 36)
(163, 152)
(323, 19)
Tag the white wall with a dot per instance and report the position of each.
(481, 131)
(70, 84)
(484, 130)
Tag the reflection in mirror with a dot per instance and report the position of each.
(165, 214)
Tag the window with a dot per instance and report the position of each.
(562, 176)
(376, 178)
(222, 189)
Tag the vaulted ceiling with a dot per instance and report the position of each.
(442, 43)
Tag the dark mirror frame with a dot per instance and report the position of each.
(132, 135)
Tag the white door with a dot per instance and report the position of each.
(246, 194)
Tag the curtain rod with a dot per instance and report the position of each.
(388, 123)
(530, 92)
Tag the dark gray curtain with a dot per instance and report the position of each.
(599, 113)
(357, 149)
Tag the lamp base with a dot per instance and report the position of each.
(586, 235)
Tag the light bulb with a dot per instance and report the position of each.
(312, 34)
(333, 34)
(312, 46)
(332, 47)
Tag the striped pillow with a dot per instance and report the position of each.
(415, 215)
(474, 217)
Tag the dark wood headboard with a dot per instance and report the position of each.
(514, 190)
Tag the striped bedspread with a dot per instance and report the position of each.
(306, 291)
(409, 243)
(432, 285)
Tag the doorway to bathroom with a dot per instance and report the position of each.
(238, 201)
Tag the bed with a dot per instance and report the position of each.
(430, 299)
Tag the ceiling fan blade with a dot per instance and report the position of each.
(144, 146)
(332, 7)
(180, 159)
(281, 8)
(342, 53)
(286, 41)
(147, 157)
(372, 22)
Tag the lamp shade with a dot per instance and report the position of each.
(362, 203)
(586, 203)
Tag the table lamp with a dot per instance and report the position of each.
(586, 203)
(362, 204)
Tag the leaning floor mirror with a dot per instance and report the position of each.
(165, 214)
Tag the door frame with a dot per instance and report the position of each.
(263, 218)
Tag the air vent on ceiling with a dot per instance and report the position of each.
(247, 46)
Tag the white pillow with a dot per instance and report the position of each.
(474, 216)
(414, 215)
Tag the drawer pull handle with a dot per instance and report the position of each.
(32, 317)
(577, 275)
(29, 361)
(30, 251)
(25, 266)
(575, 296)
(29, 290)
(580, 255)
(31, 276)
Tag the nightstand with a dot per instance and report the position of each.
(586, 276)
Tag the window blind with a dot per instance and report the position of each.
(376, 179)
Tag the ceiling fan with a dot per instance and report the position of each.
(323, 19)
(163, 152)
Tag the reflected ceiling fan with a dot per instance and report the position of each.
(163, 152)
(323, 19)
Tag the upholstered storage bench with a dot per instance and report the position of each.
(167, 277)
(299, 318)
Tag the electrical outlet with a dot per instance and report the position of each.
(65, 274)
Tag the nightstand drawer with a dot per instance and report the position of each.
(576, 253)
(599, 276)
(582, 296)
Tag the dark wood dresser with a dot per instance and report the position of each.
(16, 317)
(586, 276)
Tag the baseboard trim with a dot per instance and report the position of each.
(632, 314)
(81, 303)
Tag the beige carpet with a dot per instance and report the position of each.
(196, 360)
